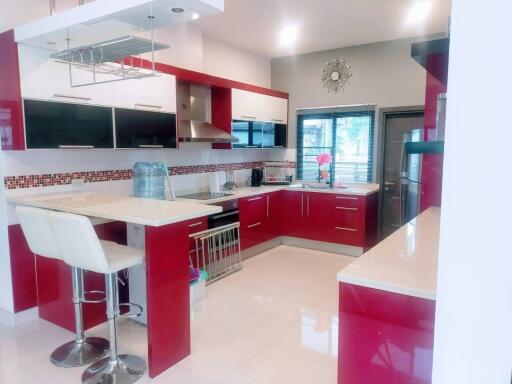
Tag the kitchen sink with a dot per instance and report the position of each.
(319, 186)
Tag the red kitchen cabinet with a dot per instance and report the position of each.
(195, 226)
(253, 216)
(294, 214)
(317, 211)
(273, 216)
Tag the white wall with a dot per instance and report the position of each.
(473, 329)
(383, 73)
(224, 60)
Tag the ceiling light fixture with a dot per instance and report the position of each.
(289, 35)
(195, 16)
(177, 10)
(418, 12)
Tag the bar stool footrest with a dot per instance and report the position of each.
(128, 315)
(94, 292)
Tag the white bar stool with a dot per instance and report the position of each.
(83, 350)
(81, 248)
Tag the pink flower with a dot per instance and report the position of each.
(324, 158)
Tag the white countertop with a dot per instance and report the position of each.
(405, 262)
(118, 207)
(351, 189)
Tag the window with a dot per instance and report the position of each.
(343, 138)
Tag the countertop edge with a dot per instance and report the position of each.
(419, 293)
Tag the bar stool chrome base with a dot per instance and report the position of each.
(78, 353)
(127, 369)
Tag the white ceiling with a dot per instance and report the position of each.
(256, 25)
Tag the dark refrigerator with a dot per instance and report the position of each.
(413, 155)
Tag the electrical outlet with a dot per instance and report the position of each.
(78, 183)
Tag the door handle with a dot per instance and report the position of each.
(253, 225)
(195, 224)
(150, 146)
(254, 199)
(76, 146)
(302, 204)
(346, 229)
(148, 106)
(347, 209)
(268, 198)
(346, 198)
(72, 97)
(307, 208)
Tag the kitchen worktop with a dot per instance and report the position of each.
(119, 207)
(404, 263)
(350, 189)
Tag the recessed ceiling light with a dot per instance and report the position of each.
(289, 35)
(177, 10)
(195, 16)
(418, 12)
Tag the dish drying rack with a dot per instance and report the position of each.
(278, 175)
(217, 250)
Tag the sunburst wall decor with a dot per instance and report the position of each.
(336, 75)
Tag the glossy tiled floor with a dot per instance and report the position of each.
(275, 321)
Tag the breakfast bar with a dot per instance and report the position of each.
(387, 307)
(166, 250)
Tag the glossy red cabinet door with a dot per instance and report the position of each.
(273, 213)
(294, 213)
(317, 210)
(11, 111)
(252, 220)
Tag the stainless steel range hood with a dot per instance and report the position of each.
(194, 131)
(195, 116)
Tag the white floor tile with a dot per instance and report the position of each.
(276, 321)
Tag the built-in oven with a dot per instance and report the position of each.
(229, 215)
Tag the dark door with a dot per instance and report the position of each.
(145, 129)
(50, 125)
(396, 129)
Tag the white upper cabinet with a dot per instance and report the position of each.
(42, 78)
(247, 105)
(251, 106)
(156, 93)
(276, 110)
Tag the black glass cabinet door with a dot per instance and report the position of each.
(51, 124)
(145, 129)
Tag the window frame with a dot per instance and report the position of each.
(334, 115)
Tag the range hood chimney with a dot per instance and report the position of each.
(194, 113)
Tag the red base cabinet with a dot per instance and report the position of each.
(328, 217)
(384, 337)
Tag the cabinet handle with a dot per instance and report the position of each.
(72, 97)
(148, 106)
(195, 224)
(277, 120)
(347, 209)
(150, 146)
(251, 146)
(302, 205)
(346, 198)
(248, 117)
(76, 146)
(253, 225)
(307, 208)
(268, 197)
(346, 229)
(254, 199)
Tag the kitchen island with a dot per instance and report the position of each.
(167, 263)
(387, 308)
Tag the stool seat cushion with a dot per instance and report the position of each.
(120, 256)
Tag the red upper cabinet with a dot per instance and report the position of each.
(11, 111)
